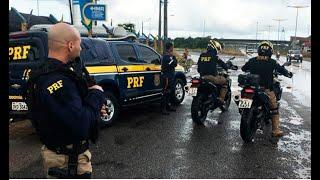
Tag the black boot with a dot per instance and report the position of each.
(170, 108)
(164, 112)
(163, 109)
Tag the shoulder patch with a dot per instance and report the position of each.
(55, 86)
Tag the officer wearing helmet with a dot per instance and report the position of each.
(207, 67)
(264, 66)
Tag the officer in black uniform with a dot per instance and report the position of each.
(168, 64)
(264, 66)
(207, 67)
(64, 110)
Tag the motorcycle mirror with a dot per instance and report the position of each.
(232, 58)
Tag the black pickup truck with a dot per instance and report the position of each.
(128, 71)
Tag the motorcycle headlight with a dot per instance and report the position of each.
(300, 55)
(292, 55)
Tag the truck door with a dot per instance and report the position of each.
(152, 68)
(26, 50)
(130, 70)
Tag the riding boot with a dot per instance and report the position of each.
(276, 132)
(223, 93)
(170, 108)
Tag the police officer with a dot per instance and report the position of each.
(264, 66)
(207, 67)
(64, 110)
(168, 64)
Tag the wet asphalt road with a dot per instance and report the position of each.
(146, 144)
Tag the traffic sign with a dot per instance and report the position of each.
(96, 12)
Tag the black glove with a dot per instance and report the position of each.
(234, 67)
(290, 75)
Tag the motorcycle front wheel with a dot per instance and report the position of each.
(199, 110)
(248, 125)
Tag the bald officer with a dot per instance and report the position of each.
(64, 110)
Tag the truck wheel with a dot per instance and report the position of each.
(179, 92)
(113, 109)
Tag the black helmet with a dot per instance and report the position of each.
(265, 49)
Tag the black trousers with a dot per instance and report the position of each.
(167, 91)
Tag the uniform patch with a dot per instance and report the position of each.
(205, 59)
(55, 86)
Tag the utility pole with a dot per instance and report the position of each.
(283, 34)
(257, 35)
(269, 26)
(165, 22)
(159, 30)
(142, 27)
(38, 6)
(204, 27)
(96, 22)
(71, 16)
(297, 7)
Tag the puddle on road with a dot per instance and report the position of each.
(297, 143)
(294, 118)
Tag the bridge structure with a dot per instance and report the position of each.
(251, 42)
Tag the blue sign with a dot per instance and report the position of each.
(95, 12)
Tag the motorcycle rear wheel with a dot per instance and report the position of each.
(199, 110)
(248, 125)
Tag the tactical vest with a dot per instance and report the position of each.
(80, 78)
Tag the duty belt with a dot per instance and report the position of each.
(72, 151)
(68, 149)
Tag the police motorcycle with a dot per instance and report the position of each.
(205, 94)
(253, 103)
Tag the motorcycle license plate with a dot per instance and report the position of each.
(193, 91)
(19, 106)
(245, 103)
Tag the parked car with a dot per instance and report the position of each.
(128, 71)
(294, 55)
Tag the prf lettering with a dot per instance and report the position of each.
(134, 82)
(55, 86)
(205, 59)
(19, 52)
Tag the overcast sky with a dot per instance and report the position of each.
(217, 18)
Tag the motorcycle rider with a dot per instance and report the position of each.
(264, 66)
(207, 67)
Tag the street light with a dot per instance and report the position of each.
(269, 27)
(297, 7)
